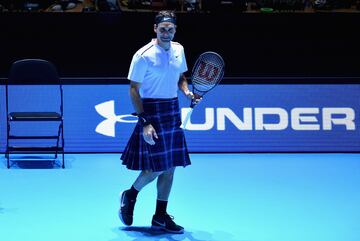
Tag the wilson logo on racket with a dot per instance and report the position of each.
(207, 71)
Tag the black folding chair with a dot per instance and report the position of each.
(34, 99)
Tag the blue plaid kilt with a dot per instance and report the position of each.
(170, 149)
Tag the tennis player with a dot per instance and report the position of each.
(157, 145)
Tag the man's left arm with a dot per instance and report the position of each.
(184, 87)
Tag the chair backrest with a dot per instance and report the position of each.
(33, 71)
(34, 85)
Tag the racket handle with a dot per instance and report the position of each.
(187, 118)
(193, 102)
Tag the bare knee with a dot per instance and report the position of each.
(149, 175)
(168, 174)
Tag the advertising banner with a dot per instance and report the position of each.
(230, 118)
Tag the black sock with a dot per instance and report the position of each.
(160, 207)
(132, 193)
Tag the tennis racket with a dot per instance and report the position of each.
(207, 73)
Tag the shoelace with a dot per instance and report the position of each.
(169, 218)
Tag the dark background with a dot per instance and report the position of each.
(252, 44)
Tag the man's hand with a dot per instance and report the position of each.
(194, 97)
(149, 133)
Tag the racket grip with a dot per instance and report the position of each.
(192, 104)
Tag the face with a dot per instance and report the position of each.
(165, 32)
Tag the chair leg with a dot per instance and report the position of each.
(63, 144)
(63, 159)
(7, 152)
(7, 156)
(58, 139)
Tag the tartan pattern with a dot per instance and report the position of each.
(169, 150)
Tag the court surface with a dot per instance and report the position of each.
(220, 197)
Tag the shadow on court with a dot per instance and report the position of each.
(137, 233)
(35, 162)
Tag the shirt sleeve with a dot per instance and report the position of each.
(137, 69)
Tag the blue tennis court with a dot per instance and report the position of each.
(220, 197)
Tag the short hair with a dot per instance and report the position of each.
(165, 16)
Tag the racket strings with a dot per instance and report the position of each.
(208, 72)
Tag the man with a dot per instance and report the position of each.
(157, 144)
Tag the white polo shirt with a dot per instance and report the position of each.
(158, 70)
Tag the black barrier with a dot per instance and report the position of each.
(252, 44)
(226, 80)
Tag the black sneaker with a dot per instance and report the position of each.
(166, 223)
(126, 209)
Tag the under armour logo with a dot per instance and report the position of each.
(107, 110)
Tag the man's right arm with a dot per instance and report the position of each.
(135, 97)
(149, 132)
